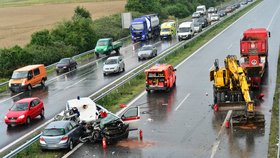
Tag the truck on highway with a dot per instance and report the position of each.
(106, 46)
(254, 53)
(145, 27)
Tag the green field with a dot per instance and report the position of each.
(4, 3)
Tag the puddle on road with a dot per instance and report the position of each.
(135, 144)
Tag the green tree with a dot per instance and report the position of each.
(42, 38)
(81, 12)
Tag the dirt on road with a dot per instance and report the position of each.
(18, 23)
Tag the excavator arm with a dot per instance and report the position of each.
(232, 65)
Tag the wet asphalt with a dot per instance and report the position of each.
(182, 124)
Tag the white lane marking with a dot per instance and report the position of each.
(74, 84)
(73, 150)
(211, 67)
(218, 139)
(11, 97)
(25, 136)
(273, 18)
(186, 97)
(214, 38)
(229, 46)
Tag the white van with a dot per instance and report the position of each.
(186, 30)
(201, 9)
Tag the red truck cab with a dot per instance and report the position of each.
(254, 52)
(160, 77)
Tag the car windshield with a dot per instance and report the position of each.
(19, 74)
(196, 14)
(196, 24)
(199, 9)
(138, 26)
(102, 43)
(111, 61)
(184, 29)
(165, 30)
(110, 117)
(54, 132)
(64, 61)
(146, 48)
(19, 107)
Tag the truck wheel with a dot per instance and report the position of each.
(118, 51)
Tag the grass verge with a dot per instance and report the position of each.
(128, 91)
(274, 127)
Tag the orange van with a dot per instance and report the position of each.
(27, 77)
(160, 77)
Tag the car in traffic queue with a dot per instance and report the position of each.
(27, 77)
(62, 134)
(222, 13)
(147, 51)
(66, 64)
(196, 15)
(203, 21)
(113, 64)
(215, 17)
(229, 9)
(24, 110)
(212, 10)
(160, 77)
(197, 26)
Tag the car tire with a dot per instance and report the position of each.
(57, 71)
(148, 90)
(43, 150)
(27, 122)
(104, 74)
(71, 145)
(29, 87)
(42, 114)
(9, 126)
(139, 59)
(97, 55)
(123, 69)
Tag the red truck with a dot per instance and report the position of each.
(254, 53)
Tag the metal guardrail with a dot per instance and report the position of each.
(22, 147)
(124, 80)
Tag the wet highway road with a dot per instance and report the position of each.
(182, 124)
(83, 82)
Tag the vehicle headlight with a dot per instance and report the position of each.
(23, 83)
(21, 116)
(143, 36)
(6, 118)
(64, 67)
(9, 84)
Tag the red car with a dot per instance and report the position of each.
(24, 110)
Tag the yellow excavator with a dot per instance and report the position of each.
(231, 90)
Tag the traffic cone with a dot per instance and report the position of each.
(141, 134)
(261, 96)
(122, 105)
(104, 145)
(227, 124)
(216, 107)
